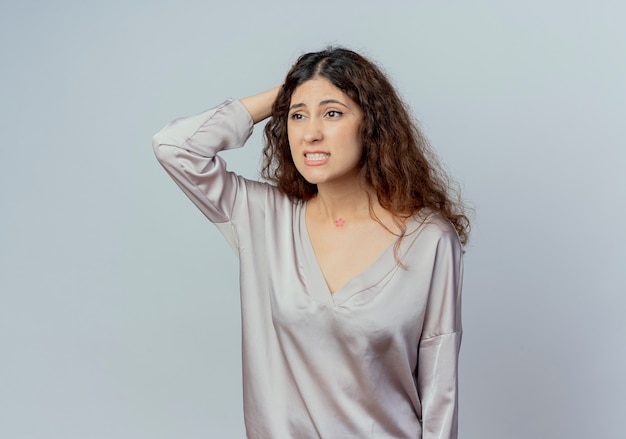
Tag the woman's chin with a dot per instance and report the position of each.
(314, 178)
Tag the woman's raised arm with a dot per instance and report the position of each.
(260, 105)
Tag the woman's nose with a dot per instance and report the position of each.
(313, 131)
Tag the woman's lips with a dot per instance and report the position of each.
(316, 158)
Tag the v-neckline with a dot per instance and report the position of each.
(364, 280)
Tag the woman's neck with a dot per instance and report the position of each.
(342, 205)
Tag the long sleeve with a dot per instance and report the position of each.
(440, 344)
(187, 149)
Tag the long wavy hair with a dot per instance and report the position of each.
(397, 161)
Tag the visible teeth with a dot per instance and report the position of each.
(317, 156)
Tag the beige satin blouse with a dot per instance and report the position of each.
(376, 359)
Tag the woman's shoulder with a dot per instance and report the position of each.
(428, 218)
(428, 223)
(263, 192)
(431, 236)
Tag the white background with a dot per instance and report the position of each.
(119, 302)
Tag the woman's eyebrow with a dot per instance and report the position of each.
(324, 102)
(332, 101)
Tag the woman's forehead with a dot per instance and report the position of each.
(317, 91)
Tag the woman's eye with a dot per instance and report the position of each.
(295, 116)
(333, 113)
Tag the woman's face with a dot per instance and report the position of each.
(323, 130)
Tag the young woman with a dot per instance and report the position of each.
(350, 257)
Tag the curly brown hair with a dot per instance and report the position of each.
(397, 160)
